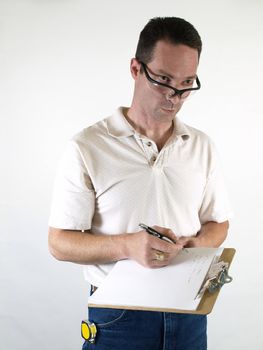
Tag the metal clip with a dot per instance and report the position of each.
(217, 282)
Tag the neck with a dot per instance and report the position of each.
(157, 131)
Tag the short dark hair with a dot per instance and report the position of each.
(172, 29)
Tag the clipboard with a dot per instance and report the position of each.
(205, 305)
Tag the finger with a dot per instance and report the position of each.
(155, 264)
(164, 246)
(163, 256)
(160, 256)
(166, 232)
(168, 259)
(160, 259)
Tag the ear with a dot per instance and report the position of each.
(135, 68)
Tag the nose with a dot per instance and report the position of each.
(173, 97)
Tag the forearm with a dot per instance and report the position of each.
(211, 234)
(85, 247)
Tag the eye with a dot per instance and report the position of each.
(163, 79)
(188, 82)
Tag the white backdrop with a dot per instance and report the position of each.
(64, 64)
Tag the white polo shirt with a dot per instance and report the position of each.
(111, 178)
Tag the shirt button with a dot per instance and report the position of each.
(153, 159)
(149, 143)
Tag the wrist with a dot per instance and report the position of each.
(123, 241)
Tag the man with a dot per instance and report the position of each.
(142, 164)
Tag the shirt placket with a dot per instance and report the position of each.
(151, 151)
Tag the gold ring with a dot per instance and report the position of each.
(159, 256)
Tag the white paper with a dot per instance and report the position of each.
(171, 287)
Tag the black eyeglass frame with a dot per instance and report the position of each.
(176, 91)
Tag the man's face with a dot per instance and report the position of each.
(175, 65)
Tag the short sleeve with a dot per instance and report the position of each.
(73, 194)
(215, 205)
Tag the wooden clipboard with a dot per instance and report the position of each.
(204, 307)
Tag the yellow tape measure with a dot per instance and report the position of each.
(88, 331)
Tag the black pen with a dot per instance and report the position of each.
(155, 233)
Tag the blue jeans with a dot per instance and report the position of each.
(146, 330)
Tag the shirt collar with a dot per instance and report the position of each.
(181, 129)
(118, 126)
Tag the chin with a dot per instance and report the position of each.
(164, 117)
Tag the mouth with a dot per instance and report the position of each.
(169, 110)
(168, 107)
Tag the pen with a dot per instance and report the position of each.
(155, 233)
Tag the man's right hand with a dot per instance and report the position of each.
(151, 251)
